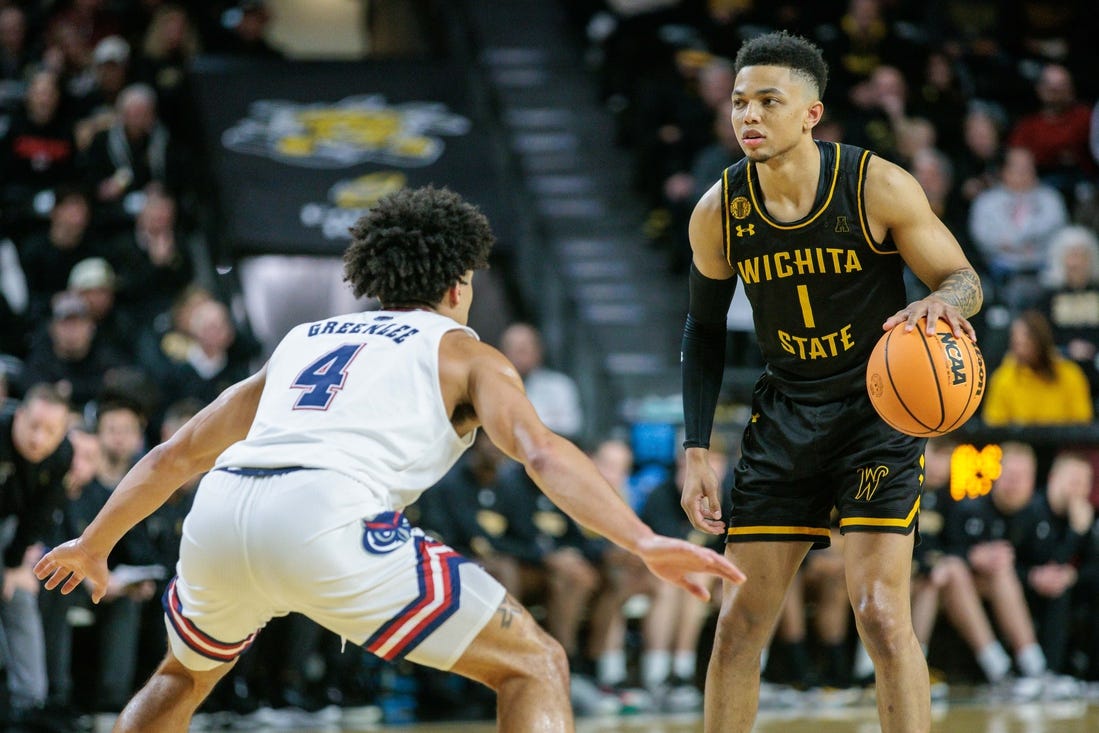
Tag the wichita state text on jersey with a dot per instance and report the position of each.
(820, 287)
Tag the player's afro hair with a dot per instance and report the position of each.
(414, 244)
(787, 50)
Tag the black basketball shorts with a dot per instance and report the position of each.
(799, 461)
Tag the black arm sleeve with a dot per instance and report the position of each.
(702, 357)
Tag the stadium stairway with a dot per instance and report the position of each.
(611, 311)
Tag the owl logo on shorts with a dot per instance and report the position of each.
(385, 532)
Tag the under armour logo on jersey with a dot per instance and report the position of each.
(869, 478)
(741, 230)
(842, 225)
(385, 532)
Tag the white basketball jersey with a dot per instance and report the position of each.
(358, 394)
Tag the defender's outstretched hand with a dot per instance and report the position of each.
(675, 560)
(72, 564)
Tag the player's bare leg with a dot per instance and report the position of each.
(169, 699)
(526, 668)
(745, 624)
(879, 571)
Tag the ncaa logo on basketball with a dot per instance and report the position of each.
(739, 207)
(954, 356)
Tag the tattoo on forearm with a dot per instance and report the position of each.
(962, 289)
(508, 611)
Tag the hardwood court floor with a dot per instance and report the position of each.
(1071, 716)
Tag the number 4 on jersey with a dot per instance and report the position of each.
(322, 379)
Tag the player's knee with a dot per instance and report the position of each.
(885, 629)
(541, 657)
(744, 628)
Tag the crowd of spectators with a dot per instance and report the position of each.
(112, 334)
(110, 315)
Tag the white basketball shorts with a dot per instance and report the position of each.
(257, 545)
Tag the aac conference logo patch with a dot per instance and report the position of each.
(352, 131)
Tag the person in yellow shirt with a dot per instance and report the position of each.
(1035, 385)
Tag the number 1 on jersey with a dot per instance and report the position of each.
(322, 379)
(806, 309)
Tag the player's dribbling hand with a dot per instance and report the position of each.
(933, 309)
(701, 497)
(675, 561)
(71, 564)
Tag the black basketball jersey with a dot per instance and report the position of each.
(820, 287)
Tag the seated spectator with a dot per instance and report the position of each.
(943, 581)
(153, 260)
(94, 280)
(982, 531)
(98, 103)
(555, 396)
(14, 46)
(68, 357)
(169, 46)
(54, 607)
(1035, 385)
(37, 152)
(34, 448)
(120, 429)
(671, 629)
(91, 20)
(1086, 604)
(565, 574)
(877, 115)
(817, 596)
(210, 365)
(245, 30)
(1057, 133)
(1049, 555)
(1012, 223)
(1071, 297)
(49, 256)
(135, 151)
(981, 157)
(941, 96)
(623, 579)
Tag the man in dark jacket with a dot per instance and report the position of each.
(34, 458)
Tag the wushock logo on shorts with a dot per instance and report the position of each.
(869, 478)
(385, 533)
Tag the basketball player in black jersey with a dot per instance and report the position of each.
(819, 234)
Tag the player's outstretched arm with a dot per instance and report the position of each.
(569, 478)
(896, 202)
(191, 451)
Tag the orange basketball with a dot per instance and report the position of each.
(925, 385)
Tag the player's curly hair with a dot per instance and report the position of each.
(787, 50)
(414, 244)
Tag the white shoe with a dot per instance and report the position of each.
(1062, 687)
(589, 700)
(680, 697)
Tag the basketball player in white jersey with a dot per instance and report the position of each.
(314, 458)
